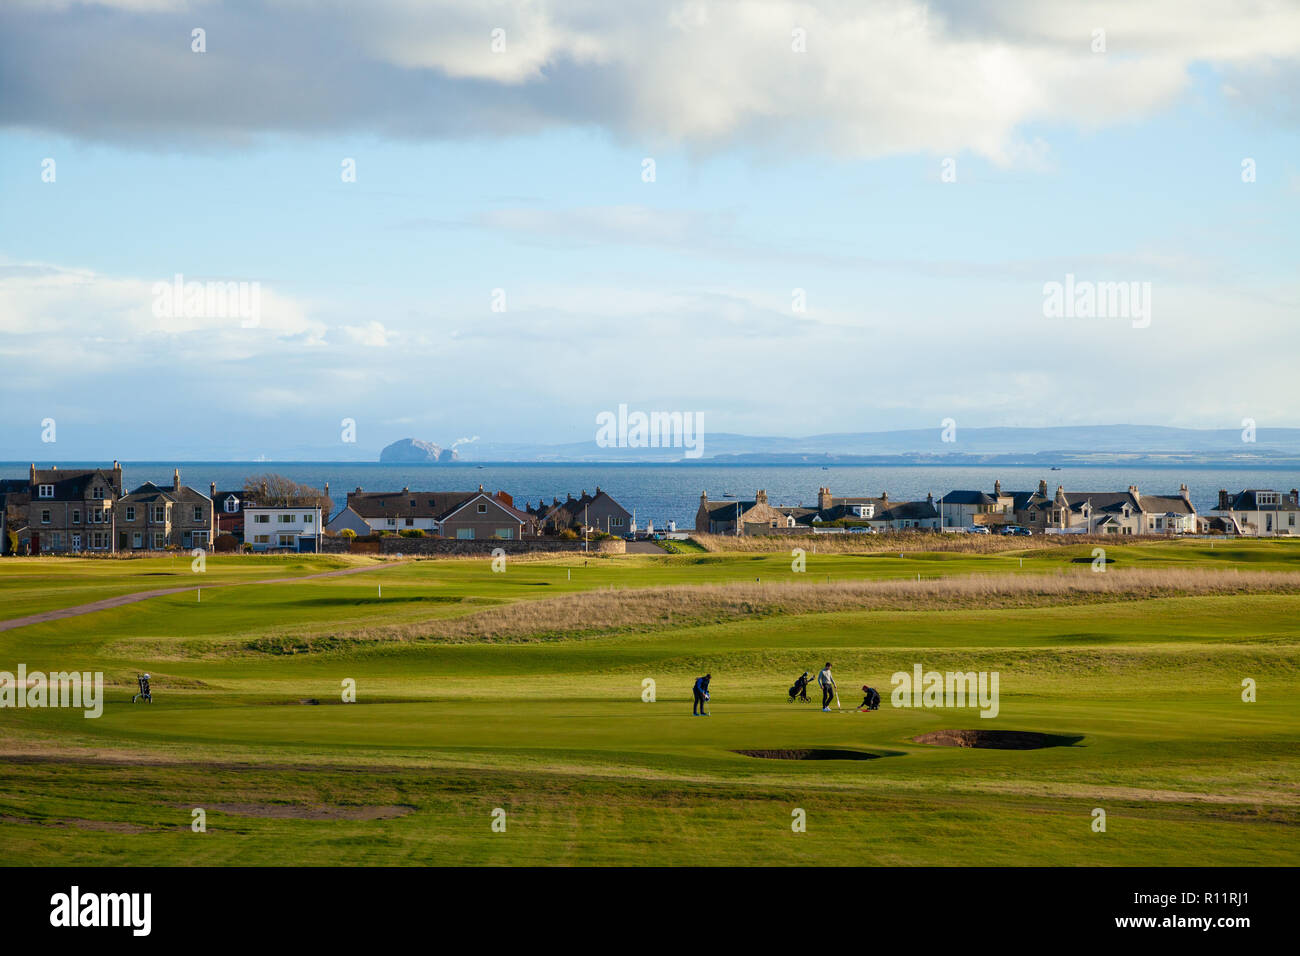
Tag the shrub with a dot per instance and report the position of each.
(347, 533)
(225, 543)
(412, 533)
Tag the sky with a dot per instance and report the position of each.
(786, 218)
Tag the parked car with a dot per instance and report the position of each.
(978, 529)
(1015, 529)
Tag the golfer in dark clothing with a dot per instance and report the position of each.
(701, 696)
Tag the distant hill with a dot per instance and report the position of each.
(412, 450)
(1078, 444)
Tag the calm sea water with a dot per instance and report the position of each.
(671, 492)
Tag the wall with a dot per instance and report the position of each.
(395, 544)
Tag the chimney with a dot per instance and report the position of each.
(32, 480)
(1060, 491)
(480, 488)
(1184, 493)
(884, 496)
(1042, 487)
(760, 497)
(824, 500)
(929, 498)
(327, 489)
(176, 479)
(997, 488)
(117, 476)
(1133, 490)
(212, 490)
(358, 491)
(1223, 499)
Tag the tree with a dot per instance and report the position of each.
(275, 490)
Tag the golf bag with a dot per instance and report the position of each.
(870, 699)
(799, 690)
(143, 681)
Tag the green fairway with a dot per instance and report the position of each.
(550, 725)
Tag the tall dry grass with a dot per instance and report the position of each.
(632, 610)
(905, 541)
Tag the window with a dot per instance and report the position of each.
(98, 493)
(99, 540)
(198, 513)
(45, 516)
(311, 519)
(261, 539)
(57, 543)
(392, 522)
(160, 513)
(130, 513)
(506, 533)
(262, 519)
(46, 491)
(465, 534)
(232, 505)
(76, 516)
(409, 521)
(1266, 499)
(1290, 519)
(618, 522)
(482, 508)
(158, 540)
(137, 540)
(285, 519)
(286, 541)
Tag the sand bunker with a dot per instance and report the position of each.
(995, 739)
(807, 754)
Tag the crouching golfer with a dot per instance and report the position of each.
(701, 696)
(828, 687)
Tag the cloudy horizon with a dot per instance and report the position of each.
(502, 219)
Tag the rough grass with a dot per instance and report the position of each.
(909, 541)
(627, 610)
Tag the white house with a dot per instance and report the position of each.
(1256, 511)
(269, 527)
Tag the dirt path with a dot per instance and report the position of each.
(122, 599)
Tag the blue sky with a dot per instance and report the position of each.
(924, 297)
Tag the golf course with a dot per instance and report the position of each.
(350, 709)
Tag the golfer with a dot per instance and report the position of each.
(828, 687)
(701, 696)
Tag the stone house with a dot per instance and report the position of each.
(152, 518)
(67, 511)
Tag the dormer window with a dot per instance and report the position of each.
(45, 491)
(232, 505)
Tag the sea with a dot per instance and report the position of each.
(670, 492)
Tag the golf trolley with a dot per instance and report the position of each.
(799, 690)
(143, 681)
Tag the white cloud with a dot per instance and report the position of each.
(884, 78)
(371, 334)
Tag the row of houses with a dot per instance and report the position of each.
(88, 510)
(71, 511)
(1130, 512)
